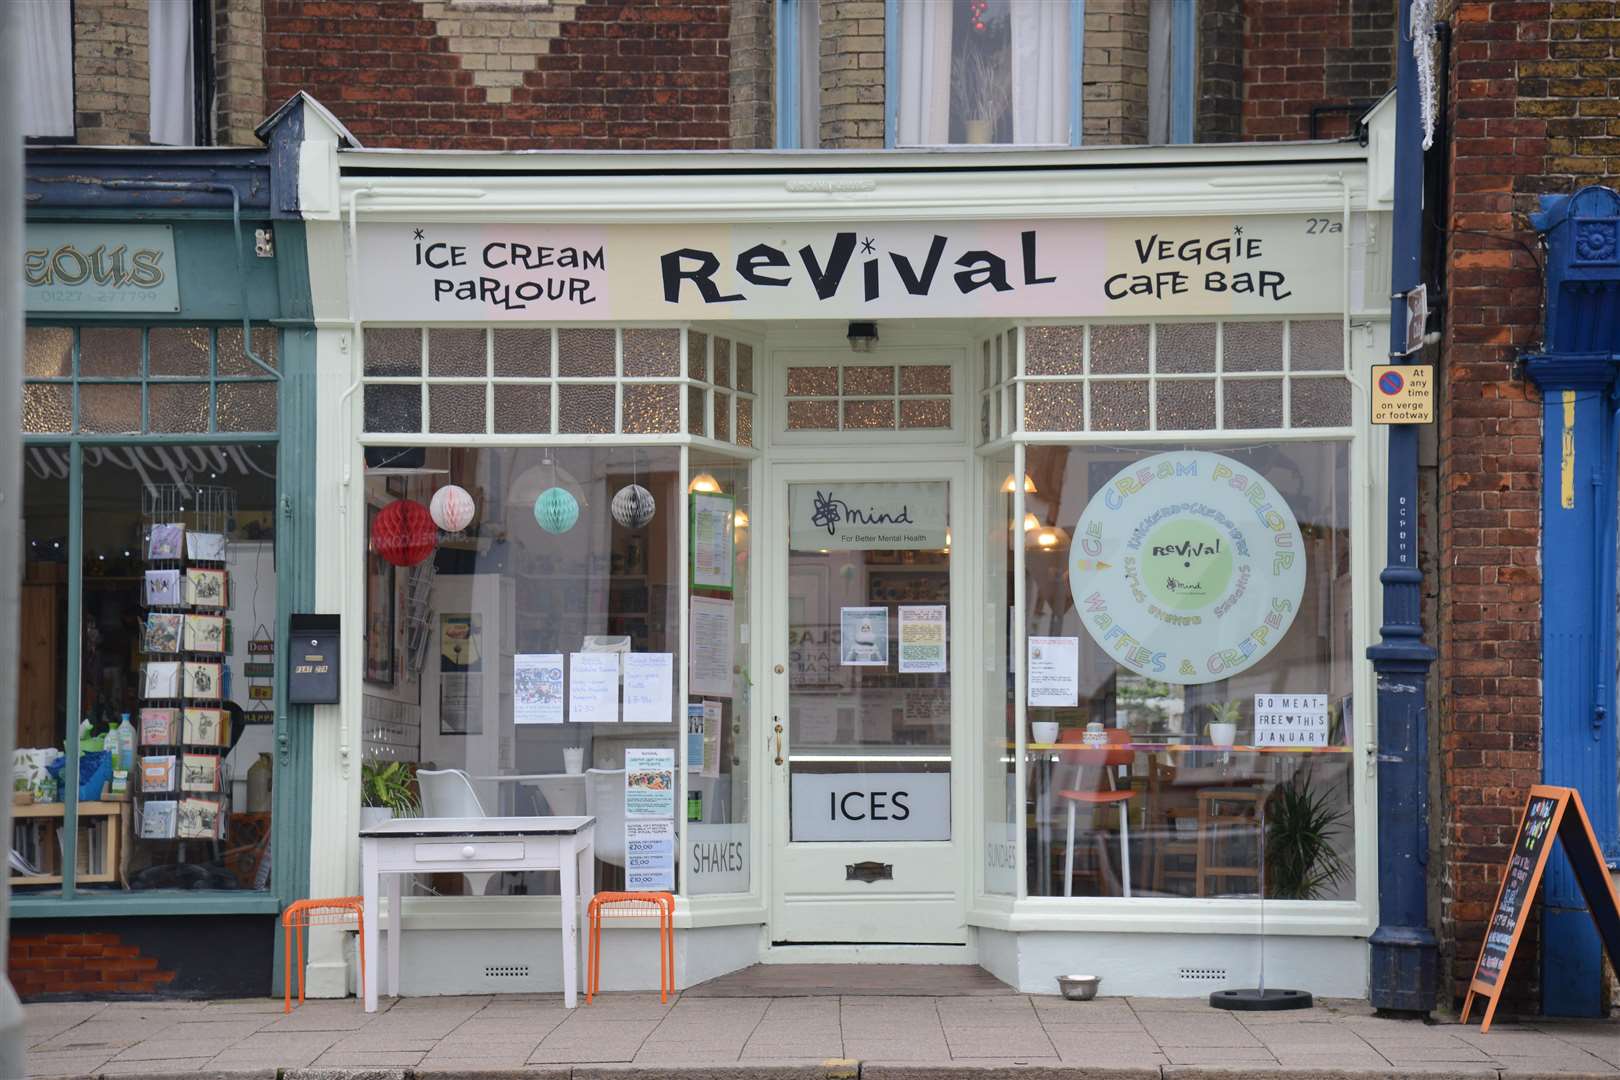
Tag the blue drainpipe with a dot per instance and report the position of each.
(1402, 977)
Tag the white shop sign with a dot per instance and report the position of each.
(719, 858)
(865, 517)
(1290, 719)
(871, 806)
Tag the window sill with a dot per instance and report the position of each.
(1158, 915)
(100, 905)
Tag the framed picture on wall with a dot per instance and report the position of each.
(379, 632)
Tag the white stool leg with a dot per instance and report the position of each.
(1068, 859)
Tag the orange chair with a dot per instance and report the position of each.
(302, 913)
(632, 905)
(1106, 759)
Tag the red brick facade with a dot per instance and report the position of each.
(625, 75)
(90, 965)
(1533, 106)
(1299, 55)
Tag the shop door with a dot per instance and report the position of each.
(865, 793)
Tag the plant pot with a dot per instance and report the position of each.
(372, 816)
(1222, 734)
(1045, 731)
(977, 132)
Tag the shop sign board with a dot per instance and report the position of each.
(1187, 567)
(100, 268)
(1403, 393)
(867, 517)
(871, 806)
(1252, 265)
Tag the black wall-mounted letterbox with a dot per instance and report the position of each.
(312, 660)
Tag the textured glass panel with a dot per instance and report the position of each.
(1319, 402)
(47, 408)
(182, 350)
(1011, 367)
(866, 379)
(722, 414)
(652, 409)
(1251, 346)
(925, 379)
(652, 352)
(457, 353)
(177, 406)
(722, 361)
(50, 352)
(984, 419)
(1059, 406)
(109, 351)
(868, 415)
(1054, 350)
(984, 376)
(812, 416)
(585, 410)
(1001, 417)
(522, 410)
(246, 407)
(925, 413)
(997, 373)
(695, 411)
(812, 381)
(1119, 350)
(745, 420)
(523, 353)
(697, 355)
(1253, 403)
(1316, 345)
(115, 408)
(1119, 406)
(1185, 348)
(456, 410)
(393, 408)
(745, 367)
(233, 361)
(1187, 405)
(393, 350)
(585, 351)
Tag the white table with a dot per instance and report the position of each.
(457, 845)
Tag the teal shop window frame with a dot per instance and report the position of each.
(288, 851)
(891, 64)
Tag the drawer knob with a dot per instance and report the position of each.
(468, 851)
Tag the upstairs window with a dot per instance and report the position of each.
(47, 69)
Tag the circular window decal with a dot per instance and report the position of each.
(1187, 567)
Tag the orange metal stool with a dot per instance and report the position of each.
(633, 905)
(302, 913)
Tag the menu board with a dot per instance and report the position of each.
(1550, 813)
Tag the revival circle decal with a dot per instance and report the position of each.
(1187, 567)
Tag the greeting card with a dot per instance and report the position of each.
(198, 818)
(202, 682)
(162, 680)
(205, 727)
(157, 820)
(158, 773)
(163, 588)
(165, 542)
(205, 633)
(160, 727)
(206, 546)
(205, 588)
(199, 772)
(162, 632)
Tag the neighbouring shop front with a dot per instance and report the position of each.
(161, 782)
(901, 559)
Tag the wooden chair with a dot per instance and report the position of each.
(1101, 760)
(1228, 817)
(1175, 854)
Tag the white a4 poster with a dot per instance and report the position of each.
(1187, 567)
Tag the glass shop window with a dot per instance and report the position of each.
(1190, 671)
(522, 649)
(175, 642)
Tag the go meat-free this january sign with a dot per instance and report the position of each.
(1212, 266)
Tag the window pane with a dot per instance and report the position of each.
(233, 361)
(471, 616)
(46, 60)
(456, 409)
(868, 379)
(48, 353)
(812, 416)
(175, 590)
(722, 416)
(47, 408)
(697, 355)
(1157, 754)
(868, 415)
(1253, 403)
(1186, 405)
(650, 409)
(1051, 350)
(652, 352)
(1058, 406)
(745, 421)
(925, 413)
(722, 361)
(1319, 402)
(585, 409)
(1119, 350)
(180, 350)
(110, 351)
(925, 379)
(999, 707)
(178, 406)
(393, 351)
(522, 410)
(1316, 345)
(695, 411)
(1119, 406)
(745, 367)
(1185, 348)
(523, 353)
(1251, 346)
(812, 381)
(248, 406)
(114, 408)
(456, 352)
(586, 352)
(393, 408)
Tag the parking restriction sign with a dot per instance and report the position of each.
(1402, 393)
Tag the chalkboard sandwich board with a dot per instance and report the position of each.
(1550, 813)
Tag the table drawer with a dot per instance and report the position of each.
(472, 851)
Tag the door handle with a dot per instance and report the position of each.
(778, 720)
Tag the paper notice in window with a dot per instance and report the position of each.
(922, 639)
(649, 856)
(649, 783)
(593, 688)
(712, 646)
(537, 688)
(649, 688)
(1054, 672)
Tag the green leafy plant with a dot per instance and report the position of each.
(1301, 824)
(389, 785)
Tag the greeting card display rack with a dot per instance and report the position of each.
(197, 554)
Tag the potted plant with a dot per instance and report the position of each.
(1301, 824)
(387, 790)
(982, 91)
(1223, 729)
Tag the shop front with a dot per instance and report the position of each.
(161, 773)
(902, 558)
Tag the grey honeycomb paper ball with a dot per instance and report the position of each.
(633, 506)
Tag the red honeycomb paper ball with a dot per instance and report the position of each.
(404, 533)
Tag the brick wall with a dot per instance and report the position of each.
(628, 74)
(852, 74)
(1114, 73)
(1219, 115)
(1302, 53)
(1533, 108)
(753, 68)
(111, 93)
(239, 103)
(89, 965)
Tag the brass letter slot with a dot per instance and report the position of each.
(869, 871)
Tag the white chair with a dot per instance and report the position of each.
(447, 793)
(604, 800)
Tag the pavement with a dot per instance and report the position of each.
(497, 1037)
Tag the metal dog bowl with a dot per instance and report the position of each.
(1079, 987)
